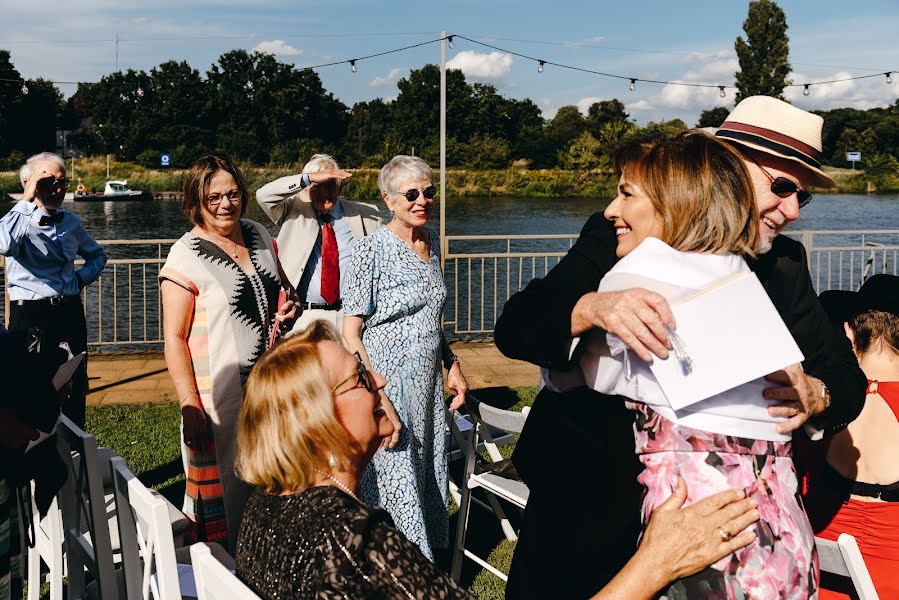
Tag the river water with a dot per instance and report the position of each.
(129, 308)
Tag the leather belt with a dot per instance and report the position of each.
(319, 306)
(54, 301)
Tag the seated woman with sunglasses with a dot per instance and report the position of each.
(392, 306)
(312, 419)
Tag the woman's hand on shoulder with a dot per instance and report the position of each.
(682, 541)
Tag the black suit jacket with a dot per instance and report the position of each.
(585, 436)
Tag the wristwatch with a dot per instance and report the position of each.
(825, 395)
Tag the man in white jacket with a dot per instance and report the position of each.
(318, 232)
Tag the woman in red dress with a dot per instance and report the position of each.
(854, 487)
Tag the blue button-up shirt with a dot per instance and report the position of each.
(310, 288)
(40, 260)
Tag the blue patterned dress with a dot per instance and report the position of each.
(401, 298)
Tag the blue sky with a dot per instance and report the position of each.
(673, 41)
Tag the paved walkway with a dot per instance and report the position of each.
(138, 378)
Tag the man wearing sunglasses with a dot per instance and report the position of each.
(40, 243)
(318, 232)
(597, 521)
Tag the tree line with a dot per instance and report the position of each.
(263, 111)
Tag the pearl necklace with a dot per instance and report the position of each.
(340, 485)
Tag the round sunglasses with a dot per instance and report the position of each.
(429, 193)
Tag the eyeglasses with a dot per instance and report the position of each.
(52, 183)
(784, 188)
(362, 378)
(215, 199)
(429, 193)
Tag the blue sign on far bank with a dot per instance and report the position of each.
(165, 160)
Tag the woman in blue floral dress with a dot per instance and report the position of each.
(392, 306)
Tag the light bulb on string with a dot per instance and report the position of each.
(540, 65)
(353, 67)
(140, 92)
(249, 85)
(805, 91)
(721, 91)
(633, 85)
(450, 42)
(889, 77)
(24, 90)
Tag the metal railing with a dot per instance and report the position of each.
(123, 308)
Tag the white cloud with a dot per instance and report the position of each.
(390, 79)
(485, 67)
(277, 48)
(584, 104)
(862, 94)
(639, 105)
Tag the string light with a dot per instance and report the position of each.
(353, 66)
(721, 91)
(889, 78)
(249, 85)
(633, 85)
(451, 44)
(540, 64)
(140, 92)
(805, 90)
(25, 90)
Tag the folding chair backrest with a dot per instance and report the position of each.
(843, 558)
(487, 417)
(214, 580)
(144, 531)
(81, 497)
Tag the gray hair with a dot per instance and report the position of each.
(27, 169)
(320, 162)
(402, 168)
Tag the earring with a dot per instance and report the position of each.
(332, 461)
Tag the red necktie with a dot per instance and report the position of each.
(330, 262)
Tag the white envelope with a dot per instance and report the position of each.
(732, 334)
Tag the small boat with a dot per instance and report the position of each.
(115, 191)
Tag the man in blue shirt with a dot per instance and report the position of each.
(318, 232)
(40, 243)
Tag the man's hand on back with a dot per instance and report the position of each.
(800, 397)
(637, 316)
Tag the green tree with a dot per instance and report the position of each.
(9, 99)
(35, 118)
(614, 133)
(713, 117)
(764, 54)
(583, 154)
(880, 168)
(604, 111)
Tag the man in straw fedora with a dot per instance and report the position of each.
(576, 453)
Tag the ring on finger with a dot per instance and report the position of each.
(725, 535)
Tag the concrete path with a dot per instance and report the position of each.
(139, 378)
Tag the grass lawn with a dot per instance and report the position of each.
(146, 436)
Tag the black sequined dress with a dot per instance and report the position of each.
(322, 543)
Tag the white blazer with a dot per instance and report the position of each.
(287, 204)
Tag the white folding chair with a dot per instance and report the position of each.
(843, 558)
(48, 542)
(459, 428)
(214, 580)
(144, 533)
(487, 418)
(81, 500)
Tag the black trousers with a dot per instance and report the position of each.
(59, 323)
(582, 520)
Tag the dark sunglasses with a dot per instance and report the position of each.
(412, 195)
(52, 183)
(362, 378)
(784, 188)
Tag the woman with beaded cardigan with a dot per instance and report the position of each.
(309, 425)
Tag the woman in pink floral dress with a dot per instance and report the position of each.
(685, 217)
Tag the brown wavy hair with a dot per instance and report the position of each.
(700, 188)
(196, 185)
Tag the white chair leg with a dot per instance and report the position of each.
(508, 530)
(34, 574)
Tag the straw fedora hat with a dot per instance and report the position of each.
(776, 127)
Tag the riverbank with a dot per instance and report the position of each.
(526, 183)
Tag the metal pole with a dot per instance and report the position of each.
(107, 166)
(443, 244)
